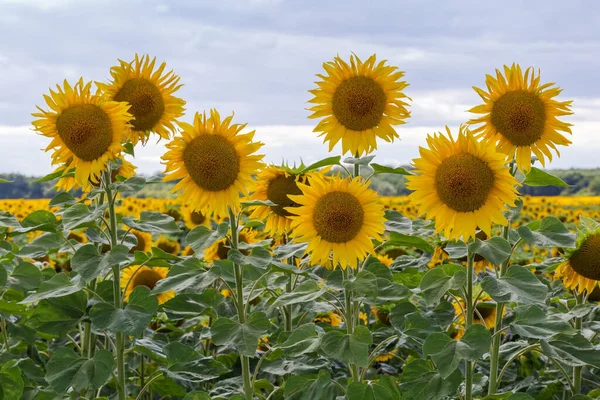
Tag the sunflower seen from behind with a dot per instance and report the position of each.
(337, 218)
(150, 93)
(358, 103)
(521, 115)
(213, 162)
(581, 269)
(86, 131)
(134, 276)
(463, 184)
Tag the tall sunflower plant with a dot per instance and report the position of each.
(265, 281)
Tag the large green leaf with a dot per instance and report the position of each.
(573, 350)
(382, 169)
(537, 177)
(403, 240)
(301, 341)
(40, 220)
(550, 233)
(307, 291)
(420, 381)
(322, 163)
(90, 264)
(301, 387)
(496, 249)
(532, 321)
(244, 337)
(191, 305)
(185, 364)
(42, 245)
(79, 215)
(437, 281)
(447, 353)
(518, 285)
(131, 320)
(200, 238)
(11, 381)
(349, 348)
(188, 274)
(57, 286)
(25, 277)
(58, 314)
(368, 391)
(153, 222)
(67, 369)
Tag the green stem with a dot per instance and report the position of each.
(578, 371)
(241, 309)
(288, 309)
(497, 338)
(4, 327)
(469, 322)
(349, 319)
(120, 337)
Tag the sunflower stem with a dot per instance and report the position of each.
(120, 337)
(349, 319)
(497, 338)
(578, 371)
(241, 309)
(469, 322)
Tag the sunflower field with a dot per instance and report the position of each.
(270, 282)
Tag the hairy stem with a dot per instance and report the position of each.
(469, 322)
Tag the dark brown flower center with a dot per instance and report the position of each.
(278, 190)
(338, 217)
(141, 242)
(145, 277)
(586, 260)
(212, 162)
(463, 182)
(359, 103)
(147, 104)
(86, 130)
(520, 117)
(197, 217)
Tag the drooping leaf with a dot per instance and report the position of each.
(518, 285)
(153, 222)
(495, 249)
(550, 233)
(532, 321)
(537, 177)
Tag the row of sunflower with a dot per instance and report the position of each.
(278, 282)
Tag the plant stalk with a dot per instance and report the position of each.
(578, 371)
(469, 322)
(349, 319)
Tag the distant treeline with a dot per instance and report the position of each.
(582, 182)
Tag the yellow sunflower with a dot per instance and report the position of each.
(386, 356)
(439, 256)
(135, 276)
(581, 269)
(213, 163)
(484, 313)
(275, 184)
(359, 102)
(462, 184)
(338, 216)
(144, 241)
(521, 115)
(331, 318)
(150, 94)
(384, 259)
(194, 218)
(219, 249)
(167, 245)
(86, 131)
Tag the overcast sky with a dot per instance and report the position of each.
(259, 57)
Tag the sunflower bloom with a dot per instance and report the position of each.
(135, 276)
(219, 249)
(86, 131)
(213, 162)
(150, 94)
(463, 184)
(483, 314)
(338, 216)
(359, 102)
(521, 115)
(581, 270)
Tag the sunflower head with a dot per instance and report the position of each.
(462, 183)
(581, 269)
(220, 249)
(359, 102)
(86, 131)
(337, 216)
(135, 276)
(150, 94)
(168, 245)
(213, 162)
(144, 241)
(521, 115)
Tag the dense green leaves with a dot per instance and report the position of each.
(349, 348)
(200, 238)
(244, 337)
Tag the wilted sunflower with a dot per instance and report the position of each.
(581, 270)
(359, 102)
(150, 94)
(86, 131)
(338, 216)
(213, 162)
(276, 184)
(135, 276)
(219, 249)
(462, 184)
(521, 115)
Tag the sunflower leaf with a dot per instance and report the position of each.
(382, 169)
(496, 249)
(400, 239)
(437, 281)
(67, 369)
(537, 177)
(531, 321)
(368, 391)
(349, 348)
(322, 163)
(153, 222)
(200, 238)
(549, 233)
(420, 381)
(244, 337)
(518, 285)
(572, 350)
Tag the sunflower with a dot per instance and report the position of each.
(275, 184)
(150, 94)
(484, 313)
(386, 356)
(359, 102)
(135, 276)
(219, 249)
(521, 116)
(331, 318)
(384, 259)
(339, 216)
(167, 245)
(86, 131)
(462, 184)
(144, 241)
(440, 256)
(193, 218)
(581, 269)
(213, 163)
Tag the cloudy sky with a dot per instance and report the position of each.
(259, 57)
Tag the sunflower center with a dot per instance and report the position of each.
(359, 103)
(278, 190)
(212, 162)
(141, 242)
(146, 277)
(520, 117)
(463, 182)
(167, 246)
(147, 104)
(338, 217)
(484, 311)
(86, 130)
(586, 260)
(197, 217)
